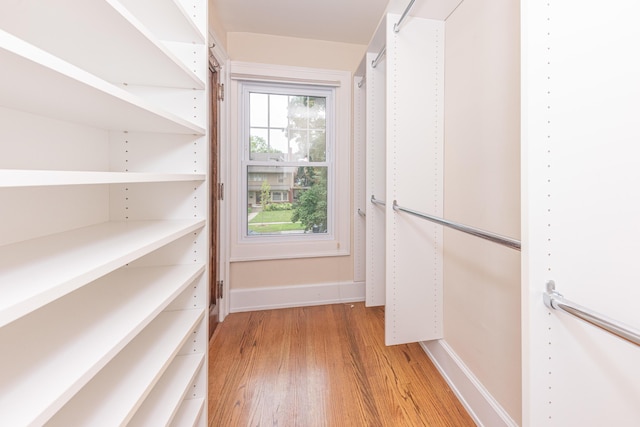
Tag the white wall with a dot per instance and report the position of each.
(482, 188)
(215, 25)
(268, 49)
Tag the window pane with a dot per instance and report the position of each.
(279, 143)
(318, 146)
(266, 141)
(310, 198)
(258, 111)
(287, 128)
(260, 148)
(270, 190)
(307, 128)
(278, 107)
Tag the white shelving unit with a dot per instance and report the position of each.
(104, 206)
(161, 405)
(96, 102)
(129, 378)
(188, 413)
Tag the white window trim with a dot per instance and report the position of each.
(279, 87)
(294, 246)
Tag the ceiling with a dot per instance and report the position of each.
(347, 21)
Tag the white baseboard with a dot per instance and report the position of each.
(295, 296)
(483, 408)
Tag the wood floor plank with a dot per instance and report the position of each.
(323, 366)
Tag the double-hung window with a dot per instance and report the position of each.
(289, 181)
(291, 167)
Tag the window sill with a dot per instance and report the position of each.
(258, 251)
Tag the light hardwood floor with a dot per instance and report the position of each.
(323, 366)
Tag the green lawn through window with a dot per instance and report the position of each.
(274, 222)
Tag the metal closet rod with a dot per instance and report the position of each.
(361, 213)
(374, 63)
(377, 202)
(362, 81)
(487, 235)
(396, 26)
(555, 301)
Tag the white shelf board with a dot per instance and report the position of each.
(104, 38)
(57, 89)
(115, 393)
(37, 178)
(35, 272)
(92, 326)
(169, 20)
(189, 413)
(163, 402)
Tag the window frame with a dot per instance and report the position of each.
(245, 130)
(336, 242)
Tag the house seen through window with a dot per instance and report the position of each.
(287, 165)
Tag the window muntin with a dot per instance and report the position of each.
(284, 127)
(288, 167)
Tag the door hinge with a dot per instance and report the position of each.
(221, 191)
(220, 288)
(221, 91)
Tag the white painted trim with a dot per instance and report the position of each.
(224, 237)
(480, 404)
(290, 247)
(295, 296)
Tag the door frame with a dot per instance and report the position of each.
(220, 55)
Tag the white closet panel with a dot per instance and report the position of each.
(360, 203)
(179, 101)
(414, 156)
(404, 99)
(154, 152)
(32, 212)
(376, 176)
(36, 142)
(580, 210)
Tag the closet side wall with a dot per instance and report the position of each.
(482, 189)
